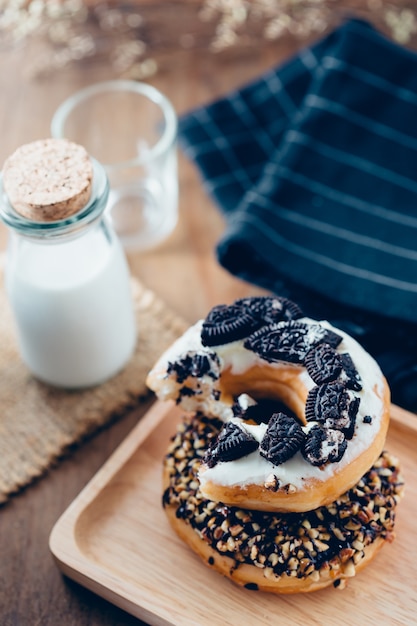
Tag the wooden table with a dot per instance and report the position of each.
(183, 271)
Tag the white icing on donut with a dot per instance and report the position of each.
(254, 469)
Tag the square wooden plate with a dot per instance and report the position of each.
(115, 540)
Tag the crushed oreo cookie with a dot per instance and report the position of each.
(289, 341)
(271, 310)
(323, 445)
(333, 406)
(225, 324)
(283, 438)
(323, 364)
(196, 365)
(232, 443)
(350, 374)
(272, 328)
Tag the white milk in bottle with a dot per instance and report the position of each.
(67, 278)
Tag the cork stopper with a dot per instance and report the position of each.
(48, 179)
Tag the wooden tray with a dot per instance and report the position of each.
(115, 540)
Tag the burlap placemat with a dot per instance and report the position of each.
(39, 423)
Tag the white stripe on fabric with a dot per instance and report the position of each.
(369, 124)
(332, 63)
(234, 141)
(330, 193)
(341, 156)
(320, 259)
(245, 114)
(308, 59)
(213, 130)
(214, 184)
(259, 94)
(277, 88)
(335, 231)
(221, 142)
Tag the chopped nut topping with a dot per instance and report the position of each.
(272, 483)
(328, 541)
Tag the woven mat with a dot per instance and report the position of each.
(38, 423)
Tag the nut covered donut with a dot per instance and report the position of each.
(278, 552)
(237, 364)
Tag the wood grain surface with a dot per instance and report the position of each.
(183, 271)
(115, 539)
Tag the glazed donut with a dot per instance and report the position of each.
(247, 355)
(284, 552)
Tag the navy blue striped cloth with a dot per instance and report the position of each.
(314, 166)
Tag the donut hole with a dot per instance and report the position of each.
(268, 385)
(261, 412)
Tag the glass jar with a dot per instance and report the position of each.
(68, 285)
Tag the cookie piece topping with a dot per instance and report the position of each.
(271, 310)
(350, 374)
(232, 443)
(289, 341)
(225, 324)
(283, 438)
(323, 445)
(333, 406)
(196, 365)
(323, 364)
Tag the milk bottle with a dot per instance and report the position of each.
(66, 275)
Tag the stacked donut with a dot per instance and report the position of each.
(277, 475)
